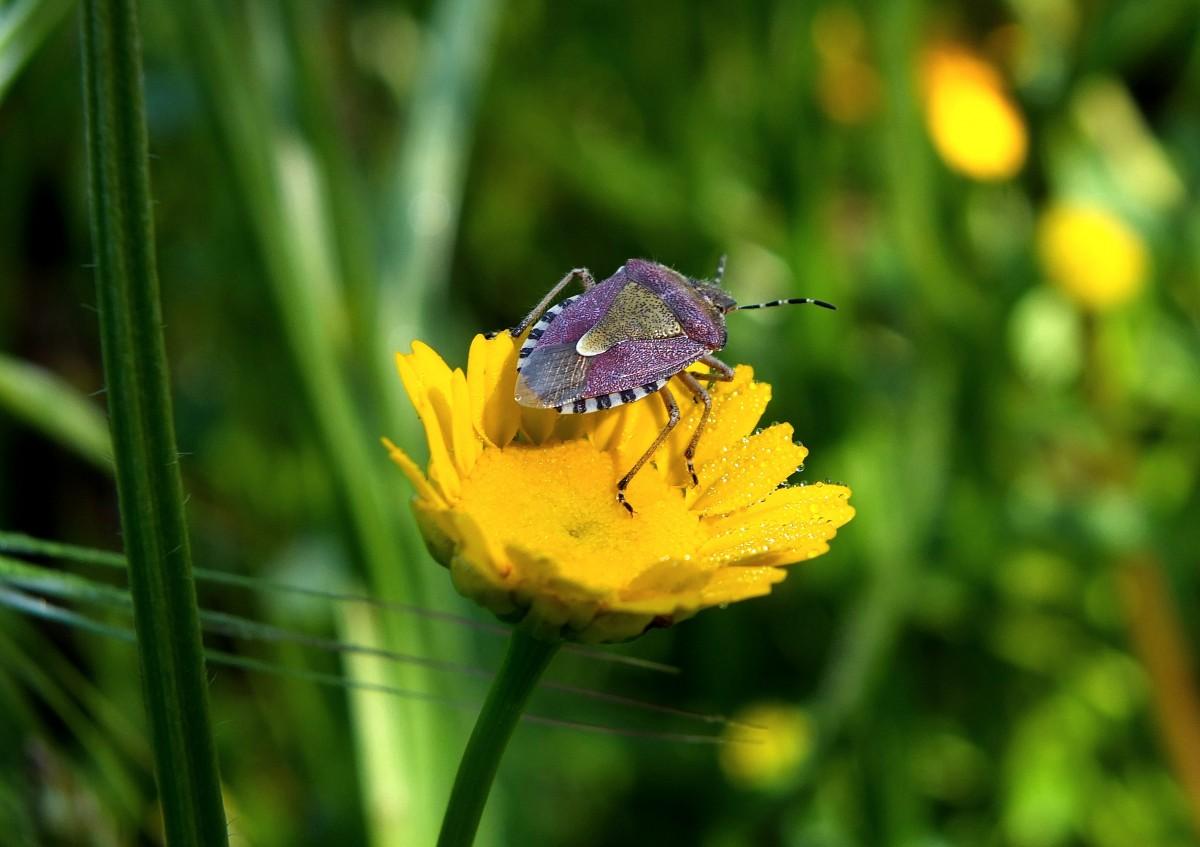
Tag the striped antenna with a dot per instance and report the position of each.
(791, 301)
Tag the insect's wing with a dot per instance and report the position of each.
(631, 365)
(552, 375)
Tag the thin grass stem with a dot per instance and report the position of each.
(37, 607)
(21, 544)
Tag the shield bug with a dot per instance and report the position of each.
(624, 339)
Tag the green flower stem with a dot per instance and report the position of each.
(524, 663)
(149, 487)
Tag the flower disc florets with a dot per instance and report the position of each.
(520, 503)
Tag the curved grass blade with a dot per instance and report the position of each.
(43, 609)
(149, 487)
(74, 587)
(120, 776)
(14, 542)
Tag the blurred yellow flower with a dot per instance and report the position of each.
(769, 755)
(976, 128)
(520, 503)
(1092, 255)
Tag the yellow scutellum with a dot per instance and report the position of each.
(520, 504)
(976, 128)
(1093, 256)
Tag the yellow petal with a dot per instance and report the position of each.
(492, 375)
(550, 591)
(747, 471)
(671, 579)
(737, 407)
(735, 415)
(537, 425)
(729, 585)
(467, 445)
(442, 471)
(455, 423)
(424, 490)
(791, 525)
(645, 419)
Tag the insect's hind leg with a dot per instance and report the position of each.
(700, 395)
(585, 277)
(672, 420)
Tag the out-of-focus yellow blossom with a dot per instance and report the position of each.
(520, 503)
(767, 754)
(1092, 255)
(975, 126)
(847, 84)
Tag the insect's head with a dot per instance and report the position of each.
(717, 297)
(724, 303)
(713, 293)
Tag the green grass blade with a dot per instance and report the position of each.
(21, 544)
(49, 581)
(148, 483)
(36, 607)
(424, 196)
(350, 231)
(48, 404)
(117, 772)
(23, 27)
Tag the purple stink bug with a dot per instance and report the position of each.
(623, 339)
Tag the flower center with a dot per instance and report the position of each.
(559, 502)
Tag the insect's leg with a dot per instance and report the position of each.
(672, 419)
(721, 372)
(699, 394)
(585, 277)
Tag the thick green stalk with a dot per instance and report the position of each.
(524, 663)
(148, 482)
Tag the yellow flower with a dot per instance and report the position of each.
(766, 756)
(976, 128)
(1092, 255)
(521, 504)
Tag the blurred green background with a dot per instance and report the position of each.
(1000, 197)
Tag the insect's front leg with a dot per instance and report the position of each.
(585, 277)
(720, 372)
(672, 419)
(699, 395)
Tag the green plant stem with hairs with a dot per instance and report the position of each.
(149, 487)
(526, 659)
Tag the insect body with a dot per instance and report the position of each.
(623, 339)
